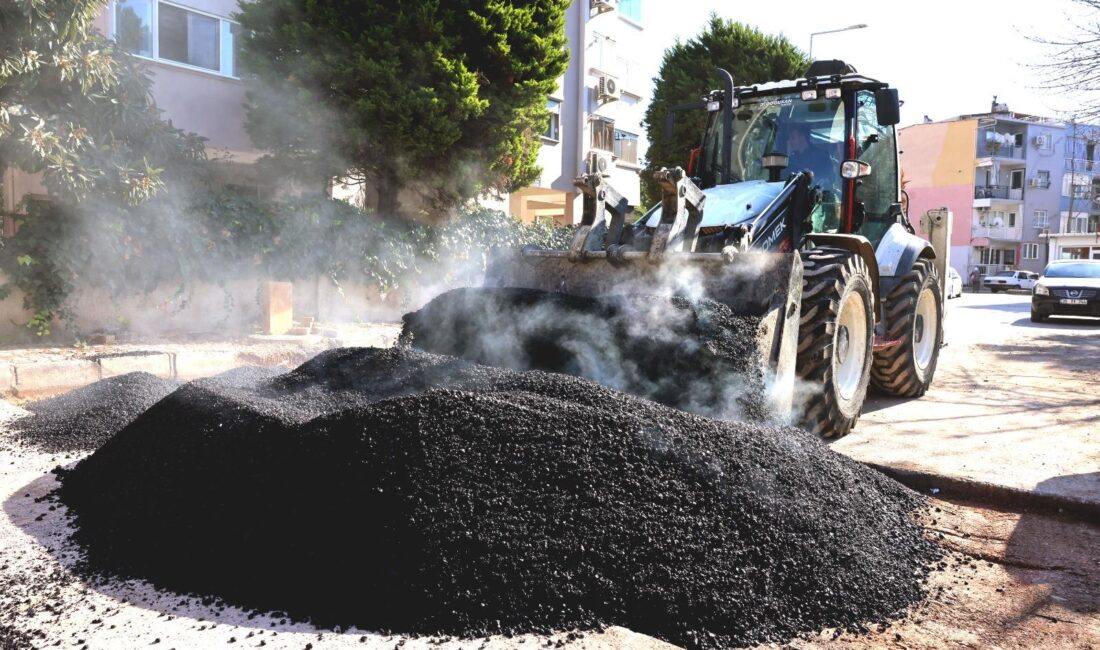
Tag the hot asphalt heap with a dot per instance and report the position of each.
(400, 490)
(83, 419)
(696, 355)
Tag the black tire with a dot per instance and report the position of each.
(1036, 317)
(832, 394)
(906, 369)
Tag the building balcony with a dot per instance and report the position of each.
(1001, 233)
(1081, 165)
(986, 195)
(1003, 151)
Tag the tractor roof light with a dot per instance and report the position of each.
(832, 93)
(809, 95)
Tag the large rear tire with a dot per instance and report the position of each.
(913, 314)
(835, 340)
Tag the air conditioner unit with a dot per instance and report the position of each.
(600, 6)
(1034, 182)
(1040, 141)
(608, 90)
(598, 162)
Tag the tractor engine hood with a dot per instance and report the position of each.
(730, 204)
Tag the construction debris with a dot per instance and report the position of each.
(401, 491)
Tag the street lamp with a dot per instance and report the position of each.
(831, 31)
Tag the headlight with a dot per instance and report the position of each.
(1040, 290)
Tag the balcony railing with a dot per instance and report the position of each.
(986, 150)
(997, 232)
(998, 192)
(1082, 165)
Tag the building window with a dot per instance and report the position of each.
(1011, 219)
(182, 36)
(133, 26)
(1042, 219)
(1078, 186)
(1031, 251)
(626, 147)
(631, 9)
(1010, 256)
(1044, 178)
(603, 133)
(1075, 225)
(553, 128)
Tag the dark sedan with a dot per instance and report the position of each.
(1067, 288)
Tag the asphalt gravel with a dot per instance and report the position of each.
(13, 639)
(397, 490)
(696, 355)
(85, 418)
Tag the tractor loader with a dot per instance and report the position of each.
(791, 211)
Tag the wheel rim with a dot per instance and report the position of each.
(850, 346)
(924, 329)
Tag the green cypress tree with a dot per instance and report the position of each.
(428, 102)
(688, 72)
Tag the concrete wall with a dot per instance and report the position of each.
(229, 310)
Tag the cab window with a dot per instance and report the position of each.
(876, 145)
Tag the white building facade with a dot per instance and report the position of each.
(597, 112)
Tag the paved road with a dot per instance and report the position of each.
(1013, 403)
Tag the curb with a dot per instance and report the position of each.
(1008, 498)
(45, 378)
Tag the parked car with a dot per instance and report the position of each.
(1067, 287)
(1006, 280)
(954, 283)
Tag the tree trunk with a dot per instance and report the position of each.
(387, 186)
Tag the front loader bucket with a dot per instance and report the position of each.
(673, 331)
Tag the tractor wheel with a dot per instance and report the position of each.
(835, 338)
(913, 314)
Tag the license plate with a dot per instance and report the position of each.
(1073, 301)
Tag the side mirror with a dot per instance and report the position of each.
(852, 169)
(887, 106)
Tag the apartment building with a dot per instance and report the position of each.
(1077, 232)
(1001, 174)
(596, 112)
(190, 53)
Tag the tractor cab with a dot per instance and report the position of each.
(834, 123)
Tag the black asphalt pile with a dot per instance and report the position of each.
(402, 491)
(13, 639)
(85, 418)
(696, 355)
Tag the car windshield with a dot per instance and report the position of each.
(1078, 270)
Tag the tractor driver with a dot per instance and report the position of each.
(807, 153)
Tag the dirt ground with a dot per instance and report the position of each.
(1013, 403)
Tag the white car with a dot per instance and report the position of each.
(1006, 280)
(954, 284)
